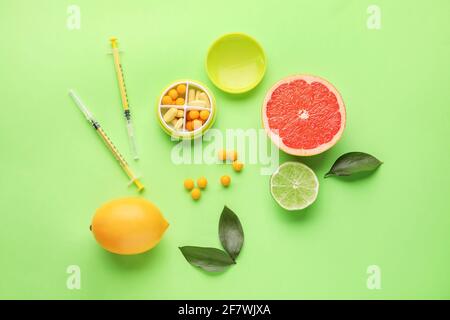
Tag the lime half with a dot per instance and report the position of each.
(294, 186)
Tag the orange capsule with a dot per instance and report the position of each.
(222, 155)
(173, 94)
(181, 89)
(194, 114)
(189, 184)
(232, 155)
(189, 126)
(204, 115)
(202, 182)
(166, 100)
(237, 166)
(225, 181)
(196, 193)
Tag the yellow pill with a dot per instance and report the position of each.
(189, 184)
(202, 96)
(196, 194)
(238, 166)
(193, 114)
(202, 182)
(170, 115)
(179, 101)
(179, 124)
(166, 100)
(191, 95)
(225, 181)
(173, 94)
(204, 115)
(181, 89)
(198, 103)
(197, 124)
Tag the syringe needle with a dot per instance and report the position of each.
(123, 94)
(123, 163)
(130, 131)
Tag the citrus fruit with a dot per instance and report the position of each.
(304, 115)
(128, 226)
(294, 186)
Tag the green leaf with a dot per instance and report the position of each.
(230, 232)
(353, 162)
(209, 259)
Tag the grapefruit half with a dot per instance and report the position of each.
(304, 115)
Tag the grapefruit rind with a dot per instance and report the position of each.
(278, 141)
(301, 175)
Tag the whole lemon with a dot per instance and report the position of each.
(128, 226)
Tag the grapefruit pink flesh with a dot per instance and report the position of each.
(304, 115)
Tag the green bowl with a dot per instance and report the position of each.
(236, 63)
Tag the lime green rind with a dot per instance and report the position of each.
(283, 190)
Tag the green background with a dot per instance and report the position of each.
(55, 172)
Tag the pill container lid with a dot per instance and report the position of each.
(235, 63)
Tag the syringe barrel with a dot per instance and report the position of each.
(114, 151)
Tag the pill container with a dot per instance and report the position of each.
(174, 108)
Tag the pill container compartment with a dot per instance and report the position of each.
(186, 109)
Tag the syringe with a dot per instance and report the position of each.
(123, 94)
(123, 163)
